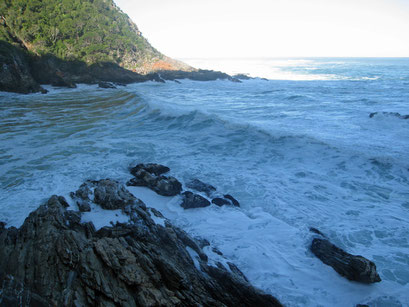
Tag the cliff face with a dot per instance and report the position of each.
(61, 42)
(90, 31)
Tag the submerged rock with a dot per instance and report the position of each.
(55, 260)
(191, 200)
(356, 268)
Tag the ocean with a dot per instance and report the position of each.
(298, 149)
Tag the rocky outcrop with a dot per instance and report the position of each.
(201, 186)
(163, 185)
(356, 268)
(197, 75)
(395, 114)
(15, 74)
(54, 259)
(153, 168)
(191, 200)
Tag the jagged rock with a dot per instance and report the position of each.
(165, 186)
(200, 186)
(191, 200)
(83, 206)
(15, 73)
(396, 114)
(103, 84)
(107, 193)
(152, 168)
(55, 260)
(227, 200)
(352, 267)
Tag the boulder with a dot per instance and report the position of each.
(356, 268)
(200, 186)
(232, 199)
(220, 202)
(55, 260)
(152, 168)
(191, 200)
(227, 200)
(165, 186)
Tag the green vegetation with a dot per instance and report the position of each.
(91, 31)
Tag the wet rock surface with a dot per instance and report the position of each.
(191, 200)
(356, 268)
(165, 186)
(55, 260)
(152, 168)
(201, 186)
(106, 85)
(395, 114)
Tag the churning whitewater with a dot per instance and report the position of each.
(299, 150)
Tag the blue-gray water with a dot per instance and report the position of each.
(297, 153)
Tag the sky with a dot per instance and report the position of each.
(273, 28)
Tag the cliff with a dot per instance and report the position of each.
(76, 41)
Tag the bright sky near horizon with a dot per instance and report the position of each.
(273, 28)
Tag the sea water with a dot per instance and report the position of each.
(297, 149)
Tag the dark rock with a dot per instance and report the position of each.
(152, 168)
(111, 195)
(177, 81)
(165, 186)
(200, 186)
(2, 225)
(356, 268)
(54, 260)
(83, 205)
(362, 305)
(215, 250)
(228, 200)
(232, 199)
(60, 80)
(191, 200)
(107, 193)
(197, 75)
(395, 114)
(221, 202)
(103, 84)
(62, 200)
(242, 77)
(316, 231)
(15, 75)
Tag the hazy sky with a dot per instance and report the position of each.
(273, 28)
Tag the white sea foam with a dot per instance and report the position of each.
(296, 154)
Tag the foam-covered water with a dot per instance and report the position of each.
(296, 154)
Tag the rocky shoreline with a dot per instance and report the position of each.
(57, 259)
(23, 73)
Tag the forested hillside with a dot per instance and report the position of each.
(87, 30)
